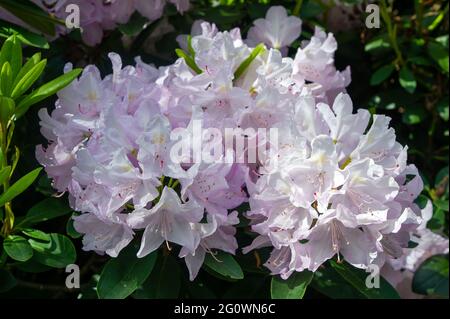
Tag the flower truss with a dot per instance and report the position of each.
(341, 185)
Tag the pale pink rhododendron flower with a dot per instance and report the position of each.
(340, 186)
(277, 30)
(98, 16)
(109, 148)
(400, 272)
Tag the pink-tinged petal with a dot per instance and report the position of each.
(194, 262)
(151, 241)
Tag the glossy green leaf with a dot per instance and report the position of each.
(31, 15)
(121, 276)
(70, 229)
(414, 114)
(246, 63)
(7, 106)
(381, 74)
(224, 264)
(37, 234)
(292, 288)
(18, 187)
(58, 252)
(441, 204)
(164, 281)
(5, 52)
(6, 79)
(431, 278)
(45, 210)
(28, 79)
(329, 283)
(135, 25)
(31, 62)
(189, 61)
(357, 278)
(4, 173)
(407, 80)
(439, 54)
(378, 43)
(16, 57)
(25, 36)
(18, 248)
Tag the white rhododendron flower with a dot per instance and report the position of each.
(335, 183)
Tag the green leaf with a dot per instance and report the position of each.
(292, 288)
(441, 204)
(407, 80)
(7, 106)
(25, 36)
(4, 173)
(439, 54)
(442, 108)
(70, 229)
(45, 210)
(18, 248)
(381, 74)
(251, 287)
(37, 234)
(46, 90)
(18, 187)
(58, 252)
(357, 278)
(223, 15)
(31, 62)
(5, 52)
(431, 278)
(16, 56)
(437, 221)
(121, 276)
(224, 264)
(246, 63)
(28, 79)
(7, 281)
(414, 114)
(164, 281)
(134, 25)
(378, 43)
(33, 266)
(420, 60)
(32, 15)
(189, 44)
(6, 79)
(311, 9)
(189, 60)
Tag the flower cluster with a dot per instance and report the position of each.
(400, 272)
(333, 184)
(96, 16)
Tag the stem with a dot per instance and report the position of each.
(8, 222)
(419, 15)
(392, 32)
(47, 287)
(297, 8)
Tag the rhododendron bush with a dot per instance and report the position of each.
(238, 149)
